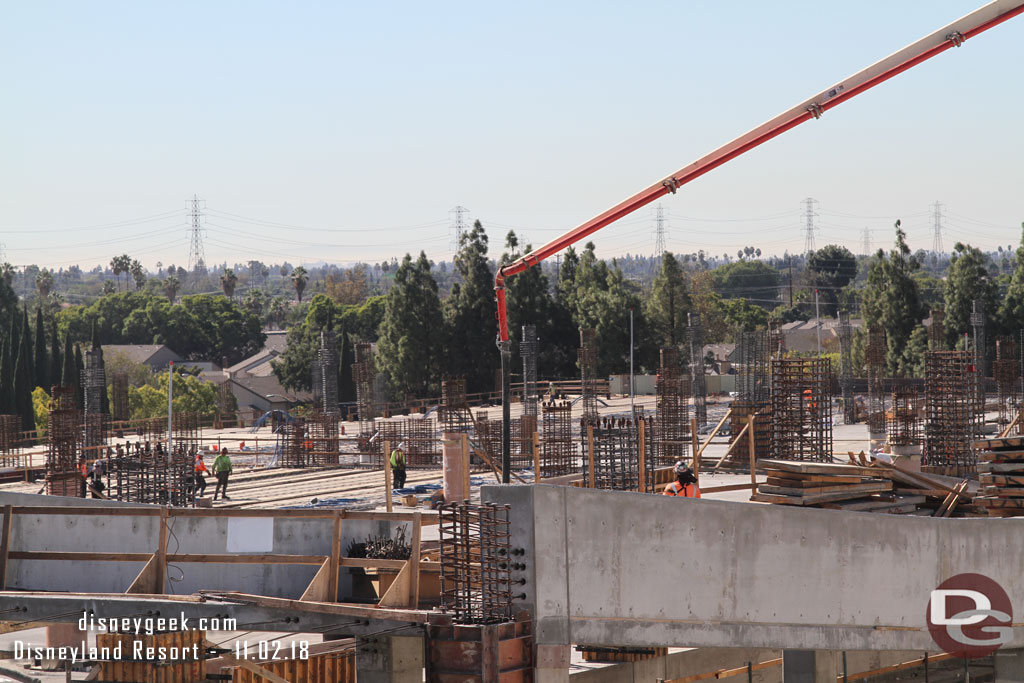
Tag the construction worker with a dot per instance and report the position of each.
(222, 470)
(83, 469)
(398, 467)
(685, 485)
(200, 474)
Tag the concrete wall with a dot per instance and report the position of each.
(198, 535)
(617, 568)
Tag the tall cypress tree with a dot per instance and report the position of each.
(6, 377)
(67, 375)
(22, 386)
(42, 363)
(55, 358)
(26, 335)
(79, 376)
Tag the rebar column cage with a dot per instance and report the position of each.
(141, 474)
(94, 434)
(225, 402)
(557, 448)
(476, 586)
(671, 434)
(454, 409)
(292, 440)
(874, 360)
(587, 356)
(422, 444)
(698, 380)
(753, 354)
(364, 373)
(802, 409)
(741, 411)
(323, 438)
(528, 348)
(980, 351)
(937, 331)
(10, 432)
(903, 421)
(488, 434)
(63, 435)
(1006, 371)
(390, 431)
(616, 454)
(951, 419)
(327, 362)
(846, 367)
(188, 432)
(119, 396)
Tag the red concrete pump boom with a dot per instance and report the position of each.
(952, 35)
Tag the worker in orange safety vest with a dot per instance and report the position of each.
(685, 485)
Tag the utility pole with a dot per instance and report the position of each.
(196, 257)
(791, 282)
(809, 215)
(459, 223)
(659, 231)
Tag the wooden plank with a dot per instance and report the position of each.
(398, 592)
(1001, 479)
(536, 457)
(339, 608)
(465, 466)
(146, 581)
(870, 487)
(318, 589)
(248, 665)
(387, 476)
(161, 552)
(414, 561)
(1001, 456)
(714, 433)
(819, 468)
(1003, 503)
(5, 544)
(732, 445)
(1009, 427)
(751, 450)
(805, 484)
(957, 497)
(1003, 442)
(695, 464)
(1002, 468)
(335, 558)
(78, 556)
(818, 478)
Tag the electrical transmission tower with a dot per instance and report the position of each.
(865, 244)
(196, 257)
(810, 215)
(459, 223)
(937, 236)
(659, 231)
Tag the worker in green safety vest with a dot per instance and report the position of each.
(222, 470)
(398, 466)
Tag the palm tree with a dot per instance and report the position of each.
(44, 283)
(278, 309)
(138, 274)
(120, 264)
(7, 272)
(227, 282)
(171, 287)
(299, 279)
(108, 288)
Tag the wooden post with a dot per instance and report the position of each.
(161, 553)
(696, 450)
(751, 448)
(465, 466)
(414, 559)
(714, 432)
(642, 455)
(387, 476)
(590, 456)
(335, 561)
(536, 457)
(5, 545)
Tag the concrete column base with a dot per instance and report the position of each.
(1009, 666)
(551, 664)
(380, 659)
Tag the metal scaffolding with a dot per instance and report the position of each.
(1006, 370)
(802, 409)
(874, 359)
(903, 420)
(528, 348)
(671, 435)
(557, 448)
(846, 367)
(952, 420)
(476, 563)
(698, 381)
(587, 356)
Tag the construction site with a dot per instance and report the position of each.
(846, 523)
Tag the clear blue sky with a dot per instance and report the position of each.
(534, 115)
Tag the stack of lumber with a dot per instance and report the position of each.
(1001, 471)
(942, 495)
(835, 486)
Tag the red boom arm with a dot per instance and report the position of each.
(949, 36)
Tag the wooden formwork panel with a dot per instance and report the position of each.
(329, 667)
(166, 669)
